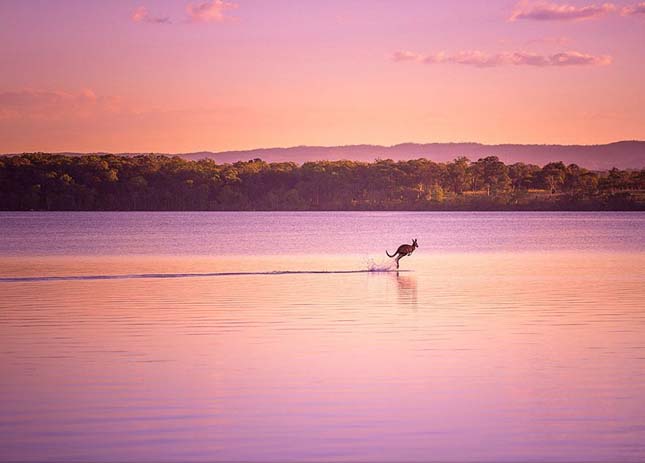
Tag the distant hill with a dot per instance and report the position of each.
(622, 154)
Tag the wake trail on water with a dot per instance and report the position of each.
(375, 269)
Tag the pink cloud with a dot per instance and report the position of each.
(573, 58)
(548, 11)
(633, 10)
(142, 15)
(404, 55)
(44, 104)
(434, 58)
(520, 58)
(481, 59)
(209, 11)
(471, 58)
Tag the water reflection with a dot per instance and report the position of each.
(503, 357)
(407, 288)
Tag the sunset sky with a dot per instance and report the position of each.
(181, 76)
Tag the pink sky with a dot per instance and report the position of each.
(179, 76)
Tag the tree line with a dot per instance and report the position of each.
(41, 181)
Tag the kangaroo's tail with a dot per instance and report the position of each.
(388, 254)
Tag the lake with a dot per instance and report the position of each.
(289, 337)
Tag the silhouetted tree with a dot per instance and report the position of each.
(41, 181)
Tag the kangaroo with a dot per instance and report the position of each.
(403, 250)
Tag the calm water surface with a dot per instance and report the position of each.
(265, 337)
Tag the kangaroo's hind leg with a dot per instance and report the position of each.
(398, 258)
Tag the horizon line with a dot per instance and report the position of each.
(321, 146)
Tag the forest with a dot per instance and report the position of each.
(50, 182)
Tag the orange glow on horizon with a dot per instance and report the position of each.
(222, 75)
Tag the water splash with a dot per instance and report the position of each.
(379, 265)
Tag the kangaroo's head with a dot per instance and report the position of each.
(414, 243)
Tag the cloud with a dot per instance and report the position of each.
(209, 11)
(404, 55)
(44, 104)
(142, 15)
(548, 11)
(634, 10)
(481, 59)
(573, 58)
(470, 57)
